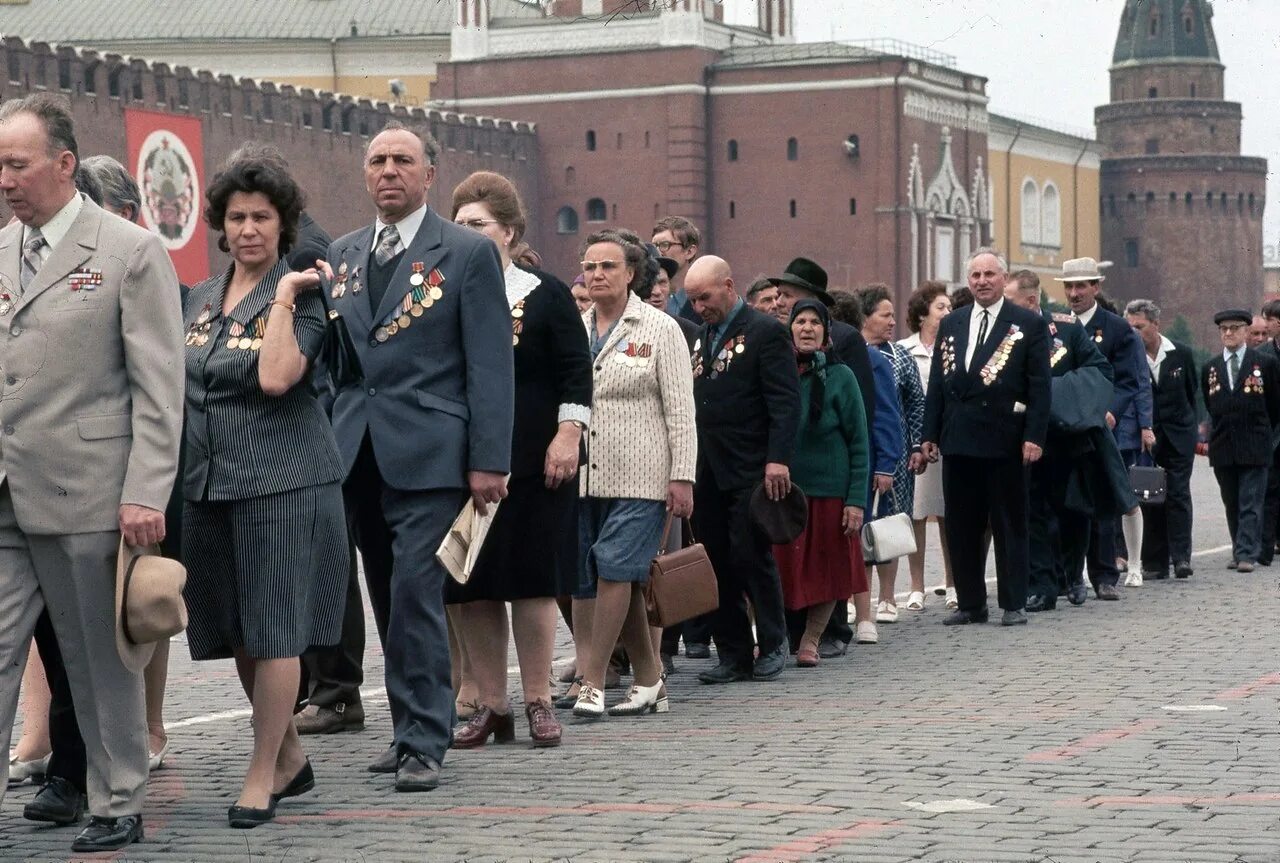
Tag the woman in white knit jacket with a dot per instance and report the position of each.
(641, 454)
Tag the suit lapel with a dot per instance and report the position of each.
(626, 324)
(427, 249)
(75, 249)
(351, 305)
(255, 302)
(995, 333)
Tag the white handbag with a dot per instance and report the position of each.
(887, 538)
(461, 545)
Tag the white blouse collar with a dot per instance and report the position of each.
(519, 284)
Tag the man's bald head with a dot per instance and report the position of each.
(709, 286)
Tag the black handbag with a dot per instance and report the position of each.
(1149, 482)
(338, 352)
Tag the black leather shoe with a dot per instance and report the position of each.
(1013, 617)
(246, 817)
(1036, 602)
(1182, 569)
(387, 762)
(724, 673)
(668, 664)
(830, 648)
(567, 700)
(417, 773)
(960, 617)
(697, 651)
(1155, 574)
(57, 802)
(1077, 593)
(1107, 592)
(304, 781)
(109, 834)
(769, 666)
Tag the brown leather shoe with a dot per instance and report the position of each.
(544, 728)
(315, 719)
(477, 730)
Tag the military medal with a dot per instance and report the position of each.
(6, 303)
(517, 322)
(381, 334)
(86, 279)
(696, 358)
(1097, 335)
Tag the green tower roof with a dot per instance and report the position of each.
(1163, 30)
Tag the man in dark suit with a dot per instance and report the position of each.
(1241, 389)
(987, 411)
(1130, 413)
(430, 424)
(1167, 527)
(1271, 511)
(804, 279)
(1060, 535)
(747, 393)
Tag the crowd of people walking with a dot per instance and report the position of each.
(323, 408)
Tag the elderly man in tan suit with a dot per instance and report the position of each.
(90, 418)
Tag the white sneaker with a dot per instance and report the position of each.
(952, 601)
(1133, 579)
(915, 601)
(867, 633)
(886, 612)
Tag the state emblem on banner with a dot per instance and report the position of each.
(170, 188)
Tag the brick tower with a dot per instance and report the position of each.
(1181, 208)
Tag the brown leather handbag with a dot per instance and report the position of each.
(681, 584)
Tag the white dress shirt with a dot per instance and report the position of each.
(1161, 353)
(975, 323)
(1226, 358)
(56, 228)
(407, 227)
(1085, 317)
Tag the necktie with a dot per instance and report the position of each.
(982, 334)
(1233, 366)
(387, 244)
(31, 258)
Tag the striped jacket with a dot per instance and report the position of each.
(642, 433)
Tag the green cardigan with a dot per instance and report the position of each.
(833, 455)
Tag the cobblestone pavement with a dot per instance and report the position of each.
(1143, 730)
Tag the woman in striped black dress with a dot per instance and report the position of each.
(263, 534)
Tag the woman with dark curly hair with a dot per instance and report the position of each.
(264, 535)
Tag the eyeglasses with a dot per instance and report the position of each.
(665, 245)
(589, 267)
(477, 224)
(1230, 328)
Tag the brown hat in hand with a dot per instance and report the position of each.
(149, 603)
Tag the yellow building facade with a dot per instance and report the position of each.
(1044, 189)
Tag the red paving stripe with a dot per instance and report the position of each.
(545, 811)
(1247, 689)
(1092, 742)
(1174, 800)
(816, 843)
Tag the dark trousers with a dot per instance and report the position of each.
(743, 560)
(1166, 527)
(978, 491)
(1271, 511)
(1244, 492)
(332, 674)
(398, 533)
(1059, 537)
(1106, 540)
(67, 760)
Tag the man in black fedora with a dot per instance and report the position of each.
(804, 279)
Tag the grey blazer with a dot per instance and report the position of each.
(438, 397)
(91, 406)
(241, 442)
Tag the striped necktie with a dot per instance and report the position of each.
(31, 260)
(387, 245)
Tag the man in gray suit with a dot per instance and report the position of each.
(431, 423)
(90, 418)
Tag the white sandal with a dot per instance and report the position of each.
(886, 612)
(915, 601)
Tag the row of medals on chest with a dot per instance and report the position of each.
(239, 337)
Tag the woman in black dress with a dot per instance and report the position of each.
(529, 557)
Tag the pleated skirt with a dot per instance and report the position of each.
(822, 564)
(267, 574)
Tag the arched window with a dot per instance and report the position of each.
(733, 210)
(1152, 93)
(1050, 216)
(596, 210)
(591, 139)
(1030, 212)
(733, 150)
(1193, 90)
(793, 208)
(567, 221)
(793, 149)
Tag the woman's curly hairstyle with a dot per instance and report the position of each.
(260, 170)
(633, 252)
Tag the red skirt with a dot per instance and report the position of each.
(822, 565)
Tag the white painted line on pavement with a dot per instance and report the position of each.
(1215, 550)
(1193, 708)
(957, 805)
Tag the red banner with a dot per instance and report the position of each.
(166, 154)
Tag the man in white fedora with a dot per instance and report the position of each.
(1130, 417)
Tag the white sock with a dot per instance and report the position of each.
(1131, 524)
